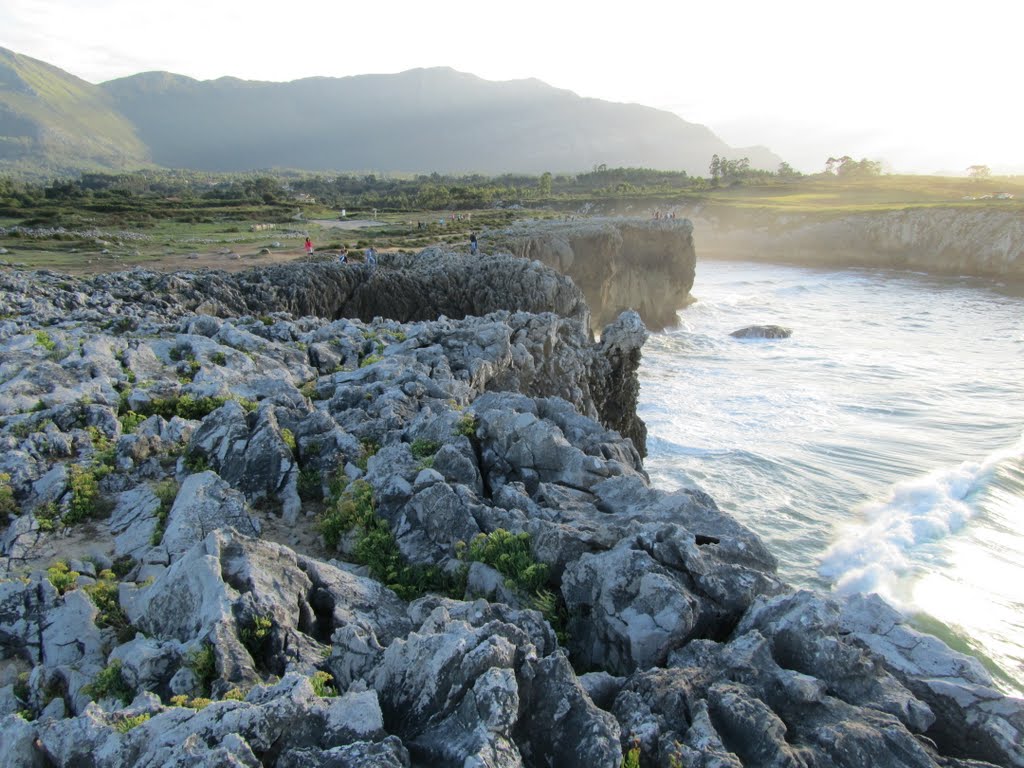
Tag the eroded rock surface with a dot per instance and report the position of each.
(275, 532)
(619, 263)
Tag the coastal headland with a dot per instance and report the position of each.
(331, 514)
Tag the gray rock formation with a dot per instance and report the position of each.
(618, 263)
(762, 332)
(279, 487)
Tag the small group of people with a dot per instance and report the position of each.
(667, 215)
(369, 256)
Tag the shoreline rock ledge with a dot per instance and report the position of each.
(293, 537)
(618, 262)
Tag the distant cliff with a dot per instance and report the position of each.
(959, 241)
(618, 263)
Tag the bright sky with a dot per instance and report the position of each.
(923, 85)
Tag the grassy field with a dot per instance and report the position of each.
(167, 233)
(878, 193)
(77, 243)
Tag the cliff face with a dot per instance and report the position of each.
(406, 288)
(618, 263)
(940, 240)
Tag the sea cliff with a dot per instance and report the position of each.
(619, 263)
(294, 529)
(955, 240)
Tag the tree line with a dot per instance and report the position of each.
(363, 191)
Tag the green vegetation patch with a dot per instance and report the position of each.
(203, 664)
(352, 511)
(86, 501)
(509, 554)
(62, 577)
(323, 684)
(110, 683)
(126, 724)
(255, 634)
(104, 595)
(189, 406)
(8, 506)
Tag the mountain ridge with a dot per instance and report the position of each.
(51, 118)
(419, 120)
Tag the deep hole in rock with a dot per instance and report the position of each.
(701, 539)
(321, 625)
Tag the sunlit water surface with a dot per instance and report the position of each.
(879, 449)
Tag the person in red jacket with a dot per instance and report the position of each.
(309, 247)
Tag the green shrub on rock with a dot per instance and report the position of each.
(255, 634)
(422, 449)
(166, 491)
(110, 683)
(509, 554)
(62, 577)
(8, 507)
(104, 595)
(309, 484)
(86, 501)
(466, 425)
(352, 510)
(323, 684)
(203, 664)
(125, 725)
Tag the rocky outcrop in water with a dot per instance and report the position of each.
(762, 332)
(619, 263)
(322, 541)
(954, 241)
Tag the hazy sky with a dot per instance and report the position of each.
(922, 85)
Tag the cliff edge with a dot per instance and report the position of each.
(955, 241)
(619, 263)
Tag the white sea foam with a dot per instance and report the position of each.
(871, 556)
(813, 441)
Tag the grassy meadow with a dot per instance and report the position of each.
(63, 229)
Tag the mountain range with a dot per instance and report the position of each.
(422, 120)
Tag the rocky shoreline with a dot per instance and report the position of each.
(328, 515)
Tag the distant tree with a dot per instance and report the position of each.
(544, 186)
(786, 171)
(979, 171)
(729, 171)
(863, 167)
(715, 169)
(848, 167)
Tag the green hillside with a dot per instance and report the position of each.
(53, 123)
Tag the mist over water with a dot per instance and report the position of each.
(879, 449)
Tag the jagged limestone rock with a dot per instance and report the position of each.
(619, 263)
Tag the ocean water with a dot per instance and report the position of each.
(878, 449)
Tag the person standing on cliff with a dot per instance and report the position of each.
(472, 244)
(309, 247)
